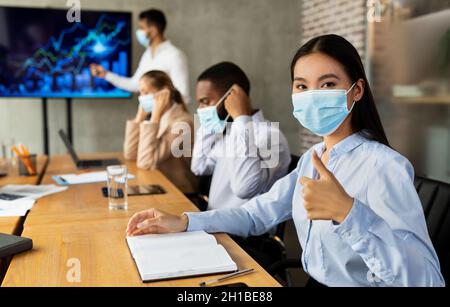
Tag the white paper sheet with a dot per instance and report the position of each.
(31, 191)
(92, 177)
(17, 207)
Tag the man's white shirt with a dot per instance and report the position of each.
(167, 58)
(244, 163)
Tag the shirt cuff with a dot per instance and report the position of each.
(149, 123)
(195, 221)
(109, 76)
(357, 223)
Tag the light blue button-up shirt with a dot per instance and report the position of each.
(382, 242)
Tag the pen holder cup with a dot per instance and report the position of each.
(27, 165)
(3, 167)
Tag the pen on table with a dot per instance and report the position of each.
(226, 277)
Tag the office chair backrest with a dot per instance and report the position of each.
(435, 198)
(204, 184)
(294, 162)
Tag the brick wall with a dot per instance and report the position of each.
(343, 17)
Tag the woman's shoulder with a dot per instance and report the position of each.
(180, 114)
(385, 157)
(380, 151)
(376, 154)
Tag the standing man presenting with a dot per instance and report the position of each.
(159, 54)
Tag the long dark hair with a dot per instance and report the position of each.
(160, 80)
(365, 118)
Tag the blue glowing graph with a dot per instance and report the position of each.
(50, 57)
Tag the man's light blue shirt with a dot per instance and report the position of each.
(382, 242)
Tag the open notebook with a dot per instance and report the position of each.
(178, 255)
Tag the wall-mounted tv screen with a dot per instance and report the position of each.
(42, 54)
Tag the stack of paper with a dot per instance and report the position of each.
(17, 207)
(93, 177)
(13, 192)
(16, 200)
(179, 255)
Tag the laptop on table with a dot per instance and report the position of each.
(84, 164)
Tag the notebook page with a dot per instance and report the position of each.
(169, 242)
(184, 262)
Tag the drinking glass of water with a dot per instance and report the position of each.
(117, 187)
(6, 152)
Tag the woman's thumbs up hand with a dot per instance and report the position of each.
(325, 198)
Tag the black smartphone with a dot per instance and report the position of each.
(151, 189)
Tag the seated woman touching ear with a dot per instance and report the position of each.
(151, 141)
(352, 198)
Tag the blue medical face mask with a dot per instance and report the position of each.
(147, 102)
(210, 120)
(209, 116)
(142, 38)
(321, 111)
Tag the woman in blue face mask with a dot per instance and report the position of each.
(357, 214)
(162, 120)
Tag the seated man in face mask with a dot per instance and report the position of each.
(244, 153)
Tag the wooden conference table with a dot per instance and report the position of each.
(13, 225)
(75, 228)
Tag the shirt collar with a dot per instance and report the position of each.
(258, 116)
(161, 47)
(346, 145)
